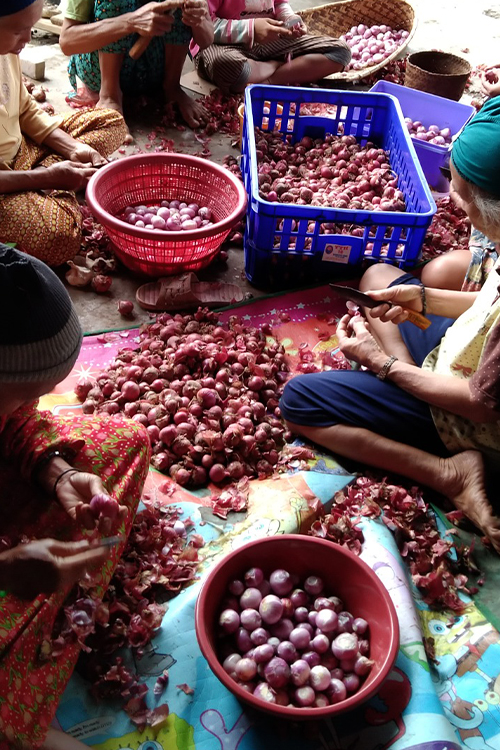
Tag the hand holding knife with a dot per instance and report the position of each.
(364, 300)
(141, 45)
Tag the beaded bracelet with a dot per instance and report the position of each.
(46, 458)
(66, 471)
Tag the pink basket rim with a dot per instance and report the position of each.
(122, 227)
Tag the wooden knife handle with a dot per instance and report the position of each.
(139, 47)
(417, 319)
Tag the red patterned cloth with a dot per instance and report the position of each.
(115, 449)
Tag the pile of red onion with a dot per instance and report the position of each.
(433, 134)
(169, 216)
(371, 45)
(334, 172)
(291, 645)
(394, 72)
(208, 395)
(449, 230)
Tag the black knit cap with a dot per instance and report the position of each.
(40, 334)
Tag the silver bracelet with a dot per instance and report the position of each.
(423, 299)
(384, 370)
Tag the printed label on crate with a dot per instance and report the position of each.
(336, 253)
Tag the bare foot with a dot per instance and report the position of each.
(193, 113)
(464, 483)
(108, 102)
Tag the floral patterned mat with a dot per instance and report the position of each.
(446, 705)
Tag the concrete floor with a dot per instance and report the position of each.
(471, 30)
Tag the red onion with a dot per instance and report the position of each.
(319, 678)
(254, 577)
(229, 621)
(271, 610)
(325, 665)
(176, 366)
(245, 669)
(130, 390)
(280, 582)
(351, 682)
(259, 637)
(82, 388)
(169, 216)
(250, 619)
(313, 585)
(336, 691)
(125, 308)
(327, 620)
(230, 662)
(104, 506)
(300, 672)
(243, 641)
(282, 630)
(264, 692)
(251, 598)
(305, 696)
(101, 284)
(431, 134)
(345, 646)
(277, 672)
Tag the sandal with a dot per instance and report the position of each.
(185, 291)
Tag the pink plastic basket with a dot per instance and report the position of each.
(150, 178)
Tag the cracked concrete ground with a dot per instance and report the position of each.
(471, 30)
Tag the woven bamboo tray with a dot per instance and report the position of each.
(335, 19)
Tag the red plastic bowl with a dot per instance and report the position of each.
(344, 574)
(150, 178)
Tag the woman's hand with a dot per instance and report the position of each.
(81, 153)
(75, 490)
(67, 175)
(46, 565)
(357, 343)
(154, 19)
(407, 295)
(267, 30)
(296, 25)
(490, 81)
(194, 12)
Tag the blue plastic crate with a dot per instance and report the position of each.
(276, 234)
(429, 109)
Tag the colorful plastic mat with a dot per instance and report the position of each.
(447, 706)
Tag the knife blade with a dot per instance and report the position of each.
(364, 300)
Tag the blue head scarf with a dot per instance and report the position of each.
(9, 7)
(476, 152)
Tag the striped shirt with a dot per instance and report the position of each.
(234, 19)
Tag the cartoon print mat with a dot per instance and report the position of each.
(451, 705)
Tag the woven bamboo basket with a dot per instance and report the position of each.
(335, 19)
(437, 73)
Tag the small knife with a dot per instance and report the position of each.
(364, 300)
(110, 541)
